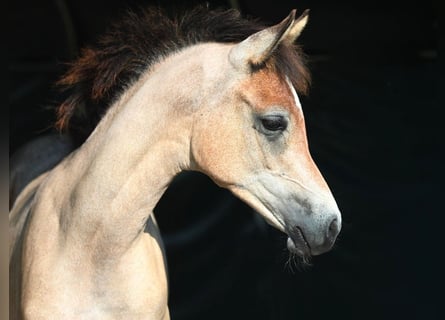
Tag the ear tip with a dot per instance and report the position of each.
(303, 15)
(292, 14)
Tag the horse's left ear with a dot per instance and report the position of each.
(256, 49)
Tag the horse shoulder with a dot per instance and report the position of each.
(18, 218)
(21, 210)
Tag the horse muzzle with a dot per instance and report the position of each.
(307, 238)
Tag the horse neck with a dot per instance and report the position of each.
(122, 170)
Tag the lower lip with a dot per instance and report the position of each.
(301, 250)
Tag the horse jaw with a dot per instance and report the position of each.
(307, 213)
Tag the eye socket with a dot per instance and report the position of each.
(274, 123)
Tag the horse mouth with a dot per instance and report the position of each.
(297, 243)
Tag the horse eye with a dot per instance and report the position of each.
(274, 123)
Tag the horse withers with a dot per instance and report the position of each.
(208, 91)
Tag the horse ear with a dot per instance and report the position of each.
(256, 49)
(297, 27)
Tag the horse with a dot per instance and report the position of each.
(207, 91)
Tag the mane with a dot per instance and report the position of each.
(135, 43)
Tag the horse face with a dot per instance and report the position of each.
(284, 184)
(254, 143)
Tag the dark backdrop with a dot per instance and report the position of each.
(373, 129)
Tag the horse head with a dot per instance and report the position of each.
(252, 140)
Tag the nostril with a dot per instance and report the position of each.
(333, 229)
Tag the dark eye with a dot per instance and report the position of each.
(274, 123)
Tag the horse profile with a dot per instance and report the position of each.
(208, 91)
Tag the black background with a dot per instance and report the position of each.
(374, 131)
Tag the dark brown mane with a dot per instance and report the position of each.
(131, 46)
